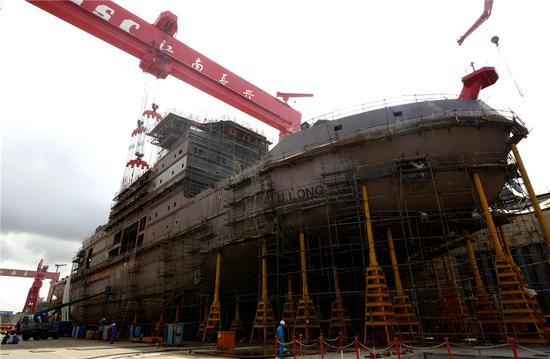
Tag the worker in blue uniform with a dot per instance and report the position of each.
(15, 339)
(113, 333)
(281, 339)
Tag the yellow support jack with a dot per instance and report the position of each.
(521, 313)
(340, 321)
(237, 324)
(534, 200)
(306, 317)
(440, 300)
(213, 322)
(379, 315)
(264, 320)
(455, 305)
(203, 322)
(486, 313)
(289, 311)
(405, 316)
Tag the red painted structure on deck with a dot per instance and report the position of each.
(476, 81)
(162, 55)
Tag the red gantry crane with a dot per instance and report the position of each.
(160, 54)
(39, 275)
(487, 8)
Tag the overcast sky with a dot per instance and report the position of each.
(69, 101)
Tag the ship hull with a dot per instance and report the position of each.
(416, 160)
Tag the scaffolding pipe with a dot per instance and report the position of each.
(305, 292)
(393, 257)
(534, 200)
(487, 214)
(368, 224)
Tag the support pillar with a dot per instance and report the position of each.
(534, 200)
(158, 329)
(306, 317)
(455, 306)
(204, 319)
(237, 324)
(521, 313)
(440, 300)
(177, 315)
(264, 321)
(340, 321)
(213, 322)
(289, 311)
(379, 315)
(505, 241)
(486, 313)
(405, 316)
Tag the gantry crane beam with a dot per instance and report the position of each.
(162, 55)
(27, 273)
(41, 273)
(487, 7)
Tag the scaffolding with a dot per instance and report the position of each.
(443, 291)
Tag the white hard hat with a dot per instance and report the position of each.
(282, 322)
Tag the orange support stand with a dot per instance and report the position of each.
(405, 316)
(379, 315)
(237, 324)
(521, 314)
(534, 201)
(213, 322)
(264, 321)
(455, 306)
(486, 313)
(289, 311)
(340, 321)
(306, 317)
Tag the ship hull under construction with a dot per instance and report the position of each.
(159, 249)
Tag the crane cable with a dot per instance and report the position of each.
(495, 40)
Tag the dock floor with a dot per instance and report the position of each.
(91, 349)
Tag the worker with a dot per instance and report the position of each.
(281, 339)
(15, 339)
(113, 333)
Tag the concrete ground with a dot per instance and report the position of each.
(87, 349)
(92, 349)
